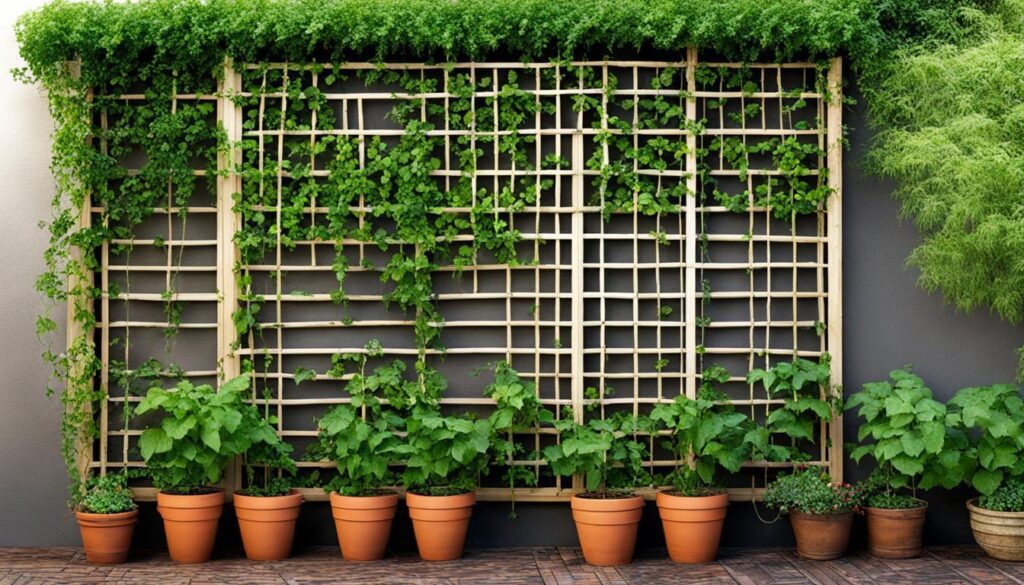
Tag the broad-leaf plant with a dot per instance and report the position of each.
(809, 400)
(706, 434)
(201, 431)
(605, 451)
(904, 432)
(988, 444)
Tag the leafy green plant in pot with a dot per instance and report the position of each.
(904, 432)
(106, 516)
(611, 461)
(268, 507)
(987, 451)
(361, 438)
(821, 511)
(710, 438)
(444, 457)
(201, 432)
(822, 523)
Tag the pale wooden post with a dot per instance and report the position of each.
(835, 254)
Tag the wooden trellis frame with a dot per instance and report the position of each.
(589, 282)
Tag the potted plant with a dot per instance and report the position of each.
(988, 451)
(444, 457)
(106, 517)
(904, 431)
(604, 452)
(201, 432)
(820, 511)
(267, 508)
(360, 438)
(709, 437)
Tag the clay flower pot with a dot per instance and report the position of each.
(1000, 534)
(363, 525)
(440, 524)
(821, 537)
(190, 523)
(896, 534)
(693, 525)
(268, 524)
(107, 537)
(607, 528)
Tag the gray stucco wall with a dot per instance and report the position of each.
(888, 322)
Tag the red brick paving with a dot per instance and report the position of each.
(511, 566)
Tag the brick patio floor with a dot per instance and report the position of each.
(523, 566)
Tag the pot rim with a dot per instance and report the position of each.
(292, 492)
(633, 502)
(813, 515)
(114, 516)
(974, 508)
(216, 490)
(382, 494)
(466, 500)
(668, 493)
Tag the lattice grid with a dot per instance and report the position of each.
(600, 299)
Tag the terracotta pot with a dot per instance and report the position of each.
(896, 534)
(693, 525)
(107, 537)
(1000, 534)
(363, 525)
(821, 537)
(268, 524)
(607, 528)
(190, 523)
(440, 524)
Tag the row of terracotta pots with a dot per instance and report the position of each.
(607, 527)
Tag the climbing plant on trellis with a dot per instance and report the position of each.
(609, 228)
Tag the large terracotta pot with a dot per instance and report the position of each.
(268, 524)
(440, 524)
(693, 525)
(107, 538)
(896, 534)
(821, 537)
(363, 525)
(607, 528)
(1000, 534)
(190, 523)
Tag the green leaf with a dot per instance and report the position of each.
(210, 434)
(154, 441)
(986, 481)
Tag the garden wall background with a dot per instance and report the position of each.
(888, 322)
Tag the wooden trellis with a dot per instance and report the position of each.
(625, 300)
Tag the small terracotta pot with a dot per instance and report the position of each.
(821, 537)
(440, 524)
(607, 528)
(107, 538)
(896, 534)
(1000, 534)
(693, 525)
(363, 525)
(190, 523)
(268, 524)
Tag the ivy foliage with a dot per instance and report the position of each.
(907, 431)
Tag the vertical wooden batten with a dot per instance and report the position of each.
(835, 254)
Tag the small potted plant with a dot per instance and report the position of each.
(361, 438)
(611, 461)
(201, 432)
(106, 517)
(444, 457)
(904, 431)
(709, 437)
(987, 451)
(820, 511)
(267, 508)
